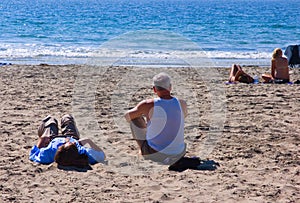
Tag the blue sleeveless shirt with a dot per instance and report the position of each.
(165, 130)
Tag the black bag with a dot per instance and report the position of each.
(194, 163)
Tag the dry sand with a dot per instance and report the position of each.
(255, 139)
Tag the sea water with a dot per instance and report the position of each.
(146, 32)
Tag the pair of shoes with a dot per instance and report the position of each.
(48, 122)
(68, 126)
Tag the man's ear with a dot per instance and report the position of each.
(154, 89)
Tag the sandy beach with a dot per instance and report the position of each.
(254, 131)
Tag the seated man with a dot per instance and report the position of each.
(66, 149)
(157, 124)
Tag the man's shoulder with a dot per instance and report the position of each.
(147, 101)
(146, 104)
(181, 100)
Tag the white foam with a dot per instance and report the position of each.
(83, 54)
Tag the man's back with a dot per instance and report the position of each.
(165, 131)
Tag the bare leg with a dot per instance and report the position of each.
(139, 128)
(267, 78)
(235, 72)
(238, 74)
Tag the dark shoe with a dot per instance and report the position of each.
(48, 122)
(185, 163)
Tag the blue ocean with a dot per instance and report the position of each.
(146, 32)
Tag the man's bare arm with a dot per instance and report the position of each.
(84, 141)
(142, 109)
(184, 107)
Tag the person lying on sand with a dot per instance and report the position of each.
(66, 149)
(238, 75)
(279, 69)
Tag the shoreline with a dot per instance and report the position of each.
(143, 61)
(257, 147)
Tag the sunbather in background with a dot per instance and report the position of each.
(238, 75)
(279, 69)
